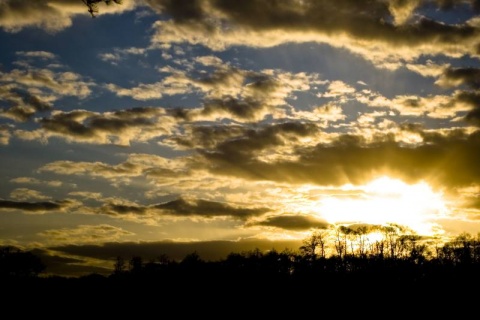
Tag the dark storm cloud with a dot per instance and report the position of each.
(448, 159)
(206, 208)
(33, 206)
(294, 222)
(208, 250)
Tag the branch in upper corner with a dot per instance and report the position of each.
(93, 5)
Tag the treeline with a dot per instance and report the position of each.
(400, 270)
(344, 254)
(345, 251)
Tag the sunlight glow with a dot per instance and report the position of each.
(386, 200)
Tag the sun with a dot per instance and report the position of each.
(387, 200)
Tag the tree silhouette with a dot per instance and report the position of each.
(17, 263)
(93, 5)
(341, 241)
(312, 243)
(136, 264)
(119, 265)
(191, 260)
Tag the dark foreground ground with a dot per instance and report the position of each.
(215, 293)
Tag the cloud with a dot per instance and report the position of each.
(250, 97)
(368, 118)
(253, 96)
(23, 105)
(206, 208)
(60, 83)
(155, 175)
(170, 86)
(467, 198)
(469, 100)
(277, 140)
(44, 55)
(120, 54)
(209, 61)
(122, 209)
(293, 222)
(453, 77)
(186, 207)
(444, 158)
(384, 32)
(110, 57)
(27, 180)
(5, 134)
(289, 152)
(433, 106)
(134, 166)
(23, 194)
(34, 181)
(118, 127)
(472, 101)
(93, 169)
(322, 115)
(37, 207)
(30, 90)
(84, 234)
(230, 108)
(86, 195)
(428, 69)
(338, 88)
(203, 136)
(50, 15)
(228, 92)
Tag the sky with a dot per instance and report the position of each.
(171, 126)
